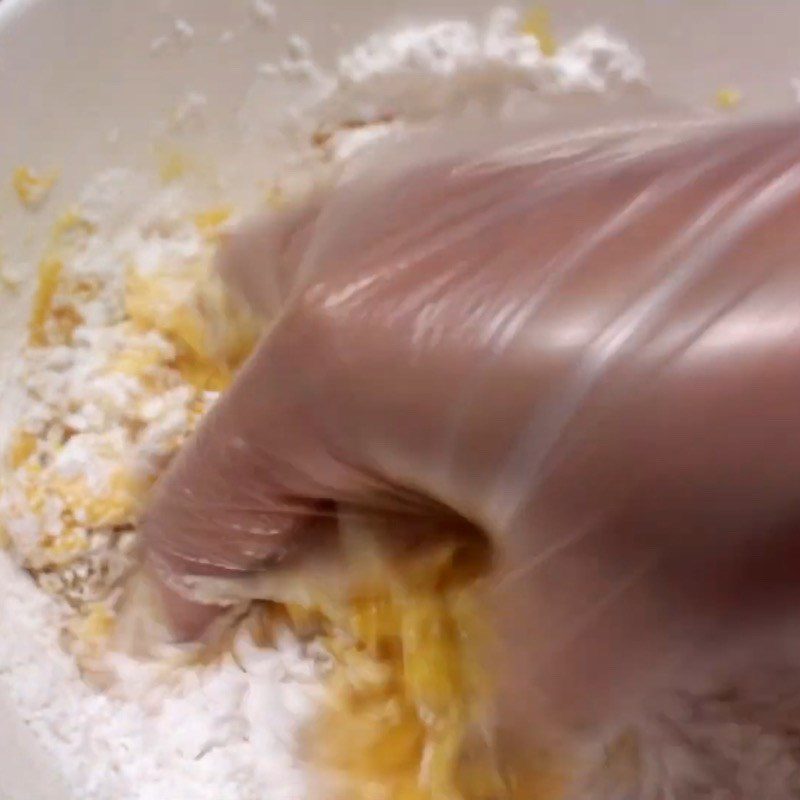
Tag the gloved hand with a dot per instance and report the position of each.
(588, 348)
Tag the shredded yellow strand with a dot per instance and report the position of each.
(211, 221)
(50, 270)
(32, 187)
(409, 702)
(21, 448)
(537, 23)
(728, 98)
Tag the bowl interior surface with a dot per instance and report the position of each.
(81, 91)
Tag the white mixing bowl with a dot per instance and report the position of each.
(81, 90)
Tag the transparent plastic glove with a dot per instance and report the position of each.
(586, 346)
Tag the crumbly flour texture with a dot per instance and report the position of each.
(117, 371)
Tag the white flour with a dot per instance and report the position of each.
(419, 72)
(223, 732)
(227, 731)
